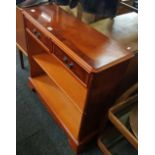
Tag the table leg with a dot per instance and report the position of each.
(21, 59)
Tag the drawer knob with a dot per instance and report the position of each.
(70, 65)
(65, 59)
(37, 34)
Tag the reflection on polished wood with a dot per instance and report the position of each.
(74, 69)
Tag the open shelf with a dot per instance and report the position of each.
(63, 79)
(62, 108)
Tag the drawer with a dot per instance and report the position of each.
(79, 72)
(37, 33)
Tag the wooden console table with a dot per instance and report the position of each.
(73, 68)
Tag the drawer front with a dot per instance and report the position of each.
(71, 65)
(37, 33)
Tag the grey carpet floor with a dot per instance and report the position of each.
(36, 131)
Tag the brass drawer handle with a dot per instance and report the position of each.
(36, 33)
(70, 65)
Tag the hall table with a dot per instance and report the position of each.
(73, 68)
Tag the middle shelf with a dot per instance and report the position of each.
(63, 79)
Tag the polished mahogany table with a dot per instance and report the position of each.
(74, 69)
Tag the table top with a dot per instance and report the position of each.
(91, 47)
(123, 28)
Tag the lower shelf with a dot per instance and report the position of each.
(60, 106)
